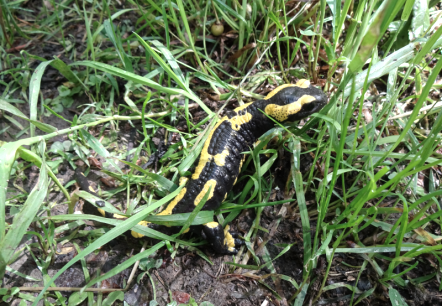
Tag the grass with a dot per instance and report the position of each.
(373, 146)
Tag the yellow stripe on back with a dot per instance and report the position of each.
(204, 157)
(211, 224)
(235, 122)
(278, 89)
(207, 185)
(239, 108)
(171, 206)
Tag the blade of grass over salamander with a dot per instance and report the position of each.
(173, 220)
(184, 220)
(195, 212)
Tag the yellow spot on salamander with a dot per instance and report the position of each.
(138, 235)
(301, 83)
(102, 212)
(281, 113)
(229, 241)
(117, 216)
(278, 89)
(237, 121)
(239, 108)
(207, 185)
(211, 224)
(220, 159)
(91, 189)
(183, 180)
(171, 206)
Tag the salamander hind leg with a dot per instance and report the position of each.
(221, 240)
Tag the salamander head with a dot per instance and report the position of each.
(293, 102)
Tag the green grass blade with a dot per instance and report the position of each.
(11, 109)
(34, 158)
(132, 77)
(383, 67)
(23, 219)
(34, 90)
(170, 59)
(426, 90)
(295, 147)
(126, 264)
(229, 10)
(7, 158)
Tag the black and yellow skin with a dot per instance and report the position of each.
(221, 160)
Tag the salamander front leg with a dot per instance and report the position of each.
(222, 241)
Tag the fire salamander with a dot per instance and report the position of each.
(220, 161)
